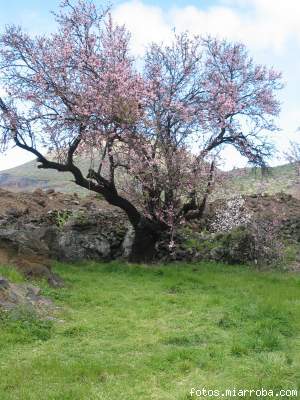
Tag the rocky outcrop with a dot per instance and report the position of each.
(90, 236)
(25, 248)
(13, 295)
(38, 227)
(272, 234)
(31, 246)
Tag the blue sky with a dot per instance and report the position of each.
(17, 8)
(270, 29)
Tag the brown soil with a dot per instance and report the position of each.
(40, 202)
(279, 206)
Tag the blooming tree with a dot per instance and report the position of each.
(155, 130)
(231, 215)
(293, 156)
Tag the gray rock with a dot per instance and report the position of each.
(76, 246)
(14, 295)
(128, 241)
(3, 283)
(85, 235)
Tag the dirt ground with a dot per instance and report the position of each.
(40, 202)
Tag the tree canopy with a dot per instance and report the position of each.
(154, 129)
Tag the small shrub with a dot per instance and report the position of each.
(61, 218)
(268, 248)
(242, 238)
(232, 214)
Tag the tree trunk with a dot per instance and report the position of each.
(146, 236)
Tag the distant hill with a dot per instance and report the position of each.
(282, 178)
(28, 177)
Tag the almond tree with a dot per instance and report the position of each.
(154, 130)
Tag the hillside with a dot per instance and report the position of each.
(282, 178)
(28, 177)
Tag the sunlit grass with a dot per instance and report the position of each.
(12, 274)
(143, 332)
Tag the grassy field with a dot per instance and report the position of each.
(139, 332)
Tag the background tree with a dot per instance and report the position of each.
(155, 132)
(292, 155)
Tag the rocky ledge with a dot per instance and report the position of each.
(38, 227)
(14, 295)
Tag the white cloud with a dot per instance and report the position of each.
(271, 30)
(146, 23)
(14, 157)
(211, 21)
(278, 21)
(262, 24)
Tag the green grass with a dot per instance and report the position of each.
(11, 274)
(22, 325)
(141, 332)
(281, 178)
